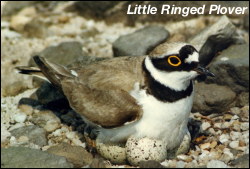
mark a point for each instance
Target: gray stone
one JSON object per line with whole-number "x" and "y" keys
{"x": 98, "y": 162}
{"x": 22, "y": 157}
{"x": 75, "y": 154}
{"x": 211, "y": 98}
{"x": 231, "y": 68}
{"x": 14, "y": 7}
{"x": 246, "y": 22}
{"x": 241, "y": 162}
{"x": 150, "y": 164}
{"x": 242, "y": 99}
{"x": 64, "y": 54}
{"x": 35, "y": 29}
{"x": 216, "y": 164}
{"x": 140, "y": 42}
{"x": 35, "y": 134}
{"x": 215, "y": 38}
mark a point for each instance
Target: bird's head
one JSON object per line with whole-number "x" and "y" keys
{"x": 175, "y": 64}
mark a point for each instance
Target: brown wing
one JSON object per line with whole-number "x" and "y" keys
{"x": 108, "y": 108}
{"x": 101, "y": 91}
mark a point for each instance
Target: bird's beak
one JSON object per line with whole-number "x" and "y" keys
{"x": 203, "y": 71}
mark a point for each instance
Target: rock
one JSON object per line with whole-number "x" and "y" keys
{"x": 185, "y": 158}
{"x": 224, "y": 138}
{"x": 4, "y": 133}
{"x": 145, "y": 149}
{"x": 116, "y": 153}
{"x": 246, "y": 22}
{"x": 244, "y": 126}
{"x": 216, "y": 164}
{"x": 22, "y": 157}
{"x": 20, "y": 117}
{"x": 241, "y": 162}
{"x": 47, "y": 120}
{"x": 234, "y": 144}
{"x": 76, "y": 155}
{"x": 242, "y": 99}
{"x": 209, "y": 98}
{"x": 205, "y": 146}
{"x": 95, "y": 9}
{"x": 215, "y": 38}
{"x": 35, "y": 134}
{"x": 180, "y": 164}
{"x": 35, "y": 28}
{"x": 140, "y": 42}
{"x": 205, "y": 126}
{"x": 98, "y": 163}
{"x": 231, "y": 68}
{"x": 15, "y": 88}
{"x": 150, "y": 164}
{"x": 14, "y": 7}
{"x": 213, "y": 144}
{"x": 64, "y": 54}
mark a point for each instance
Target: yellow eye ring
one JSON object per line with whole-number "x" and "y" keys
{"x": 174, "y": 64}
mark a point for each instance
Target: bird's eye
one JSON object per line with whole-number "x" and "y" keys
{"x": 174, "y": 60}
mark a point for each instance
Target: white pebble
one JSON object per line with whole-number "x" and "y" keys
{"x": 244, "y": 126}
{"x": 217, "y": 125}
{"x": 234, "y": 144}
{"x": 225, "y": 125}
{"x": 205, "y": 126}
{"x": 235, "y": 135}
{"x": 20, "y": 117}
{"x": 180, "y": 164}
{"x": 224, "y": 138}
{"x": 216, "y": 164}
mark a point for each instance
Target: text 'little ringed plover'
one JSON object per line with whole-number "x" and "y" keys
{"x": 145, "y": 96}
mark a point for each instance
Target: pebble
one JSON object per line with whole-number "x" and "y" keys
{"x": 217, "y": 125}
{"x": 213, "y": 144}
{"x": 180, "y": 164}
{"x": 205, "y": 146}
{"x": 20, "y": 117}
{"x": 205, "y": 126}
{"x": 234, "y": 144}
{"x": 235, "y": 135}
{"x": 225, "y": 125}
{"x": 216, "y": 164}
{"x": 184, "y": 158}
{"x": 244, "y": 126}
{"x": 224, "y": 138}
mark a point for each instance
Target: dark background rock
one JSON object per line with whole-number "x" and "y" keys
{"x": 231, "y": 68}
{"x": 215, "y": 38}
{"x": 140, "y": 42}
{"x": 150, "y": 164}
{"x": 212, "y": 98}
{"x": 22, "y": 157}
{"x": 35, "y": 134}
{"x": 65, "y": 53}
{"x": 75, "y": 154}
{"x": 241, "y": 162}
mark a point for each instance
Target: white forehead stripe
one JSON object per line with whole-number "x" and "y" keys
{"x": 192, "y": 58}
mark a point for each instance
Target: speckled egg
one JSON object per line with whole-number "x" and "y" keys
{"x": 115, "y": 153}
{"x": 145, "y": 149}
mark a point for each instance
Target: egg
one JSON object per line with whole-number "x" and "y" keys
{"x": 144, "y": 149}
{"x": 115, "y": 153}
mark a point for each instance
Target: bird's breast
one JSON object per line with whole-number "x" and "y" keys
{"x": 161, "y": 120}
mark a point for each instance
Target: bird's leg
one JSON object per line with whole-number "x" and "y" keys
{"x": 90, "y": 134}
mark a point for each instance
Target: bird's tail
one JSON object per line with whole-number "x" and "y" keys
{"x": 46, "y": 70}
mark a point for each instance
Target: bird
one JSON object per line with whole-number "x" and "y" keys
{"x": 143, "y": 96}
